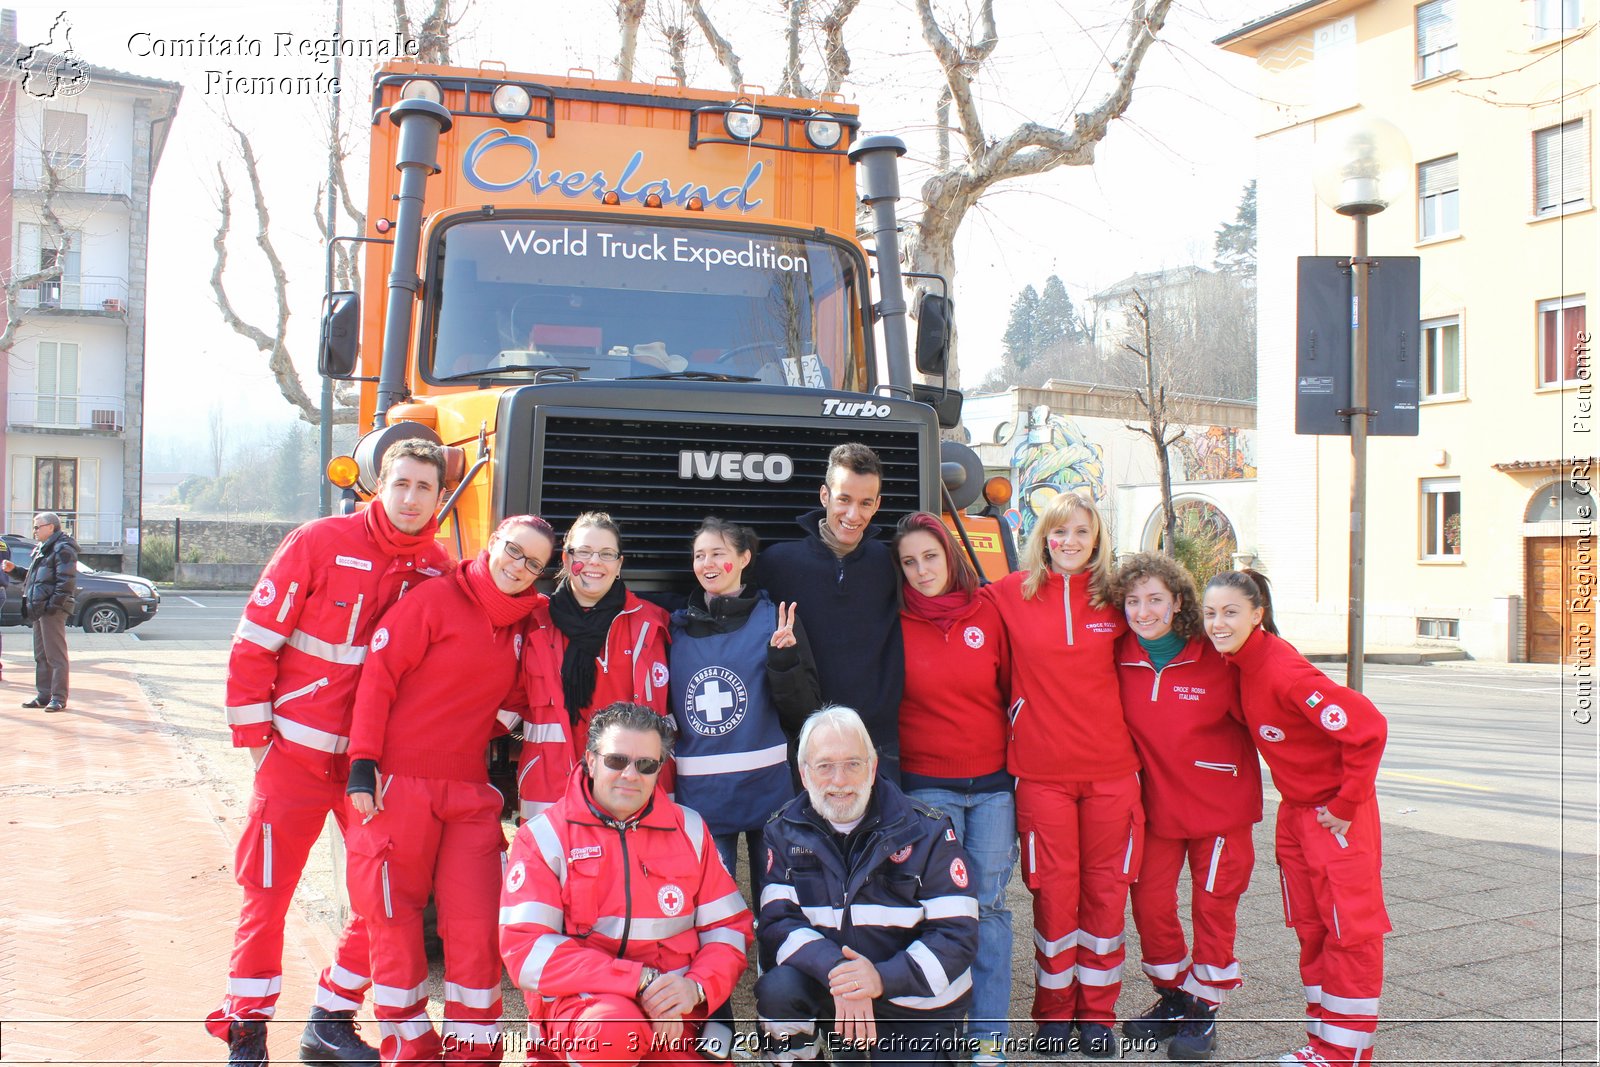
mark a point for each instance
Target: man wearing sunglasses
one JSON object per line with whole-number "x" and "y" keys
{"x": 869, "y": 922}
{"x": 617, "y": 919}
{"x": 49, "y": 594}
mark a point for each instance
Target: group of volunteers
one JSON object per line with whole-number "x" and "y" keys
{"x": 876, "y": 730}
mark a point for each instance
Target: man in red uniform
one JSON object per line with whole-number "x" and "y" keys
{"x": 291, "y": 683}
{"x": 618, "y": 920}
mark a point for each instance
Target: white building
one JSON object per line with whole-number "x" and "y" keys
{"x": 80, "y": 143}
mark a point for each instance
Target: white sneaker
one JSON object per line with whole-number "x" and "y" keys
{"x": 1302, "y": 1055}
{"x": 989, "y": 1053}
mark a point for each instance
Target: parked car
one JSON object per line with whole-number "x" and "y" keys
{"x": 108, "y": 603}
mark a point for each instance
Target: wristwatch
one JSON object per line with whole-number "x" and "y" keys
{"x": 647, "y": 977}
{"x": 700, "y": 993}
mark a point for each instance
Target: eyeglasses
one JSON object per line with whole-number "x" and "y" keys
{"x": 616, "y": 761}
{"x": 848, "y": 768}
{"x": 588, "y": 555}
{"x": 533, "y": 563}
{"x": 40, "y": 525}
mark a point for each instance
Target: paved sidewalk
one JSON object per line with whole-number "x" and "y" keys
{"x": 117, "y": 893}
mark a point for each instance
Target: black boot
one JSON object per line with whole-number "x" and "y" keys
{"x": 1161, "y": 1021}
{"x": 1099, "y": 1041}
{"x": 247, "y": 1043}
{"x": 330, "y": 1039}
{"x": 1197, "y": 1035}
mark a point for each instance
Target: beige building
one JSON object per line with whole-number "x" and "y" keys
{"x": 1480, "y": 529}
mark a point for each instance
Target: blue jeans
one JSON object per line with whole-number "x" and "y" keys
{"x": 987, "y": 826}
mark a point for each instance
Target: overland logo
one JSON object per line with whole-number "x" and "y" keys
{"x": 51, "y": 70}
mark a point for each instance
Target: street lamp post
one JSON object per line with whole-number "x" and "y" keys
{"x": 1360, "y": 169}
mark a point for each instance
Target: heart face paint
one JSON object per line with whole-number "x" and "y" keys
{"x": 727, "y": 568}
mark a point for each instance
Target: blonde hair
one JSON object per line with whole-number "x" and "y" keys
{"x": 1036, "y": 551}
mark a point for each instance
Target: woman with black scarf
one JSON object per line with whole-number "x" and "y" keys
{"x": 600, "y": 644}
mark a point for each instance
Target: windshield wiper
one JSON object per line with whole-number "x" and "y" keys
{"x": 560, "y": 373}
{"x": 688, "y": 376}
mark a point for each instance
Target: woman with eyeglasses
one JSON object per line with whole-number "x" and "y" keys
{"x": 429, "y": 821}
{"x": 601, "y": 645}
{"x": 953, "y": 744}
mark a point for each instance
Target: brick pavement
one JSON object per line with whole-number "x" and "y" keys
{"x": 119, "y": 901}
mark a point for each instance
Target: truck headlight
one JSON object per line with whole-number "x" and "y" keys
{"x": 741, "y": 121}
{"x": 512, "y": 101}
{"x": 422, "y": 89}
{"x": 823, "y": 130}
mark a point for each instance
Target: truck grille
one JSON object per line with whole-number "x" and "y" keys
{"x": 629, "y": 467}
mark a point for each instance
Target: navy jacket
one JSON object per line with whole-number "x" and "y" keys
{"x": 52, "y": 578}
{"x": 850, "y": 608}
{"x": 903, "y": 898}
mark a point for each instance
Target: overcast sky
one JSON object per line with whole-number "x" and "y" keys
{"x": 1165, "y": 177}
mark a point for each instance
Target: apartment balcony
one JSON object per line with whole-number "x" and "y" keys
{"x": 57, "y": 413}
{"x": 81, "y": 295}
{"x": 95, "y": 531}
{"x": 77, "y": 176}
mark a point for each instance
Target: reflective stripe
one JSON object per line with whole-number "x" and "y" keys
{"x": 530, "y": 808}
{"x": 832, "y": 918}
{"x": 691, "y": 766}
{"x": 1313, "y": 994}
{"x": 1216, "y": 854}
{"x": 1100, "y": 945}
{"x": 347, "y": 979}
{"x": 309, "y": 736}
{"x": 794, "y": 942}
{"x": 544, "y": 835}
{"x": 508, "y": 719}
{"x": 255, "y": 987}
{"x": 471, "y": 1034}
{"x": 533, "y": 966}
{"x": 395, "y": 997}
{"x": 406, "y": 1029}
{"x": 644, "y": 634}
{"x": 723, "y": 936}
{"x": 950, "y": 907}
{"x": 1057, "y": 946}
{"x": 1127, "y": 857}
{"x": 1212, "y": 975}
{"x": 1346, "y": 1005}
{"x": 468, "y": 997}
{"x": 1097, "y": 976}
{"x": 1345, "y": 1037}
{"x": 789, "y": 1027}
{"x": 256, "y": 634}
{"x": 334, "y": 1002}
{"x": 249, "y": 714}
{"x": 695, "y": 827}
{"x": 1047, "y": 980}
{"x": 1167, "y": 972}
{"x": 778, "y": 891}
{"x": 930, "y": 967}
{"x": 543, "y": 732}
{"x": 1210, "y": 994}
{"x": 717, "y": 910}
{"x": 347, "y": 655}
{"x": 532, "y": 911}
{"x": 884, "y": 915}
{"x": 612, "y": 926}
{"x": 954, "y": 992}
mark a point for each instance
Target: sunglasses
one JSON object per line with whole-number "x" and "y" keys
{"x": 616, "y": 761}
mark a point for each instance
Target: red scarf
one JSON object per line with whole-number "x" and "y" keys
{"x": 944, "y": 610}
{"x": 390, "y": 538}
{"x": 501, "y": 608}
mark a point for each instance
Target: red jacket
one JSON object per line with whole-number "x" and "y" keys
{"x": 1201, "y": 776}
{"x": 1066, "y": 711}
{"x": 417, "y": 712}
{"x": 299, "y": 647}
{"x": 587, "y": 906}
{"x": 953, "y": 711}
{"x": 548, "y": 749}
{"x": 1322, "y": 740}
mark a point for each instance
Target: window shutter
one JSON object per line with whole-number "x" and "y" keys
{"x": 21, "y": 495}
{"x": 1560, "y": 166}
{"x": 1439, "y": 176}
{"x": 1436, "y": 26}
{"x": 88, "y": 502}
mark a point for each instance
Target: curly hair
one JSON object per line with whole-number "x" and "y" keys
{"x": 1170, "y": 573}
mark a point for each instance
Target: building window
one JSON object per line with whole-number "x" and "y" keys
{"x": 1560, "y": 323}
{"x": 65, "y": 148}
{"x": 1439, "y": 198}
{"x": 1441, "y": 518}
{"x": 57, "y": 381}
{"x": 1555, "y": 18}
{"x": 1560, "y": 168}
{"x": 1436, "y": 39}
{"x": 1447, "y": 629}
{"x": 1441, "y": 359}
{"x": 55, "y": 486}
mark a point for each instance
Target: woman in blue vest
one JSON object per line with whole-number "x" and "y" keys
{"x": 743, "y": 681}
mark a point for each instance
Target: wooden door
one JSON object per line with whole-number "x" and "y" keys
{"x": 1560, "y": 601}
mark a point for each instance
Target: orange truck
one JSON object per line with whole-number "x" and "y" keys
{"x": 643, "y": 299}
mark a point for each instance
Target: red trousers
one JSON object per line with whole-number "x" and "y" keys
{"x": 607, "y": 1030}
{"x": 1333, "y": 898}
{"x": 440, "y": 837}
{"x": 1219, "y": 868}
{"x": 289, "y": 806}
{"x": 1080, "y": 849}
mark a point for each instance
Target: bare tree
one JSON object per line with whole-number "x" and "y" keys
{"x": 803, "y": 21}
{"x": 630, "y": 13}
{"x": 1161, "y": 427}
{"x": 52, "y": 236}
{"x": 432, "y": 31}
{"x": 217, "y": 438}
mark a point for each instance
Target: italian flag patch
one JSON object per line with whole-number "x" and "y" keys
{"x": 1314, "y": 699}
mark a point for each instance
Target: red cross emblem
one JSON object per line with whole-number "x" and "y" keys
{"x": 670, "y": 897}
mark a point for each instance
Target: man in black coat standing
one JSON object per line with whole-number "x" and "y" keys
{"x": 48, "y": 597}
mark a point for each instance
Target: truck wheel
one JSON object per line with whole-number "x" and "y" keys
{"x": 103, "y": 617}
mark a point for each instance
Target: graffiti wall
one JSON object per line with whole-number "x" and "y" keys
{"x": 1055, "y": 456}
{"x": 1217, "y": 454}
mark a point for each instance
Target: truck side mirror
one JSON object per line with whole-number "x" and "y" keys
{"x": 933, "y": 333}
{"x": 341, "y": 329}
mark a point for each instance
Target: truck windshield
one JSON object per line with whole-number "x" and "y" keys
{"x": 623, "y": 300}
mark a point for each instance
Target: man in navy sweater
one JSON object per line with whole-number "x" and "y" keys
{"x": 846, "y": 584}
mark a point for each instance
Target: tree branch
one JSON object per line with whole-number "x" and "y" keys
{"x": 629, "y": 14}
{"x": 835, "y": 58}
{"x": 719, "y": 44}
{"x": 54, "y": 231}
{"x": 961, "y": 64}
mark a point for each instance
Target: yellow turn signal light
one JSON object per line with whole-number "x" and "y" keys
{"x": 343, "y": 471}
{"x": 997, "y": 491}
